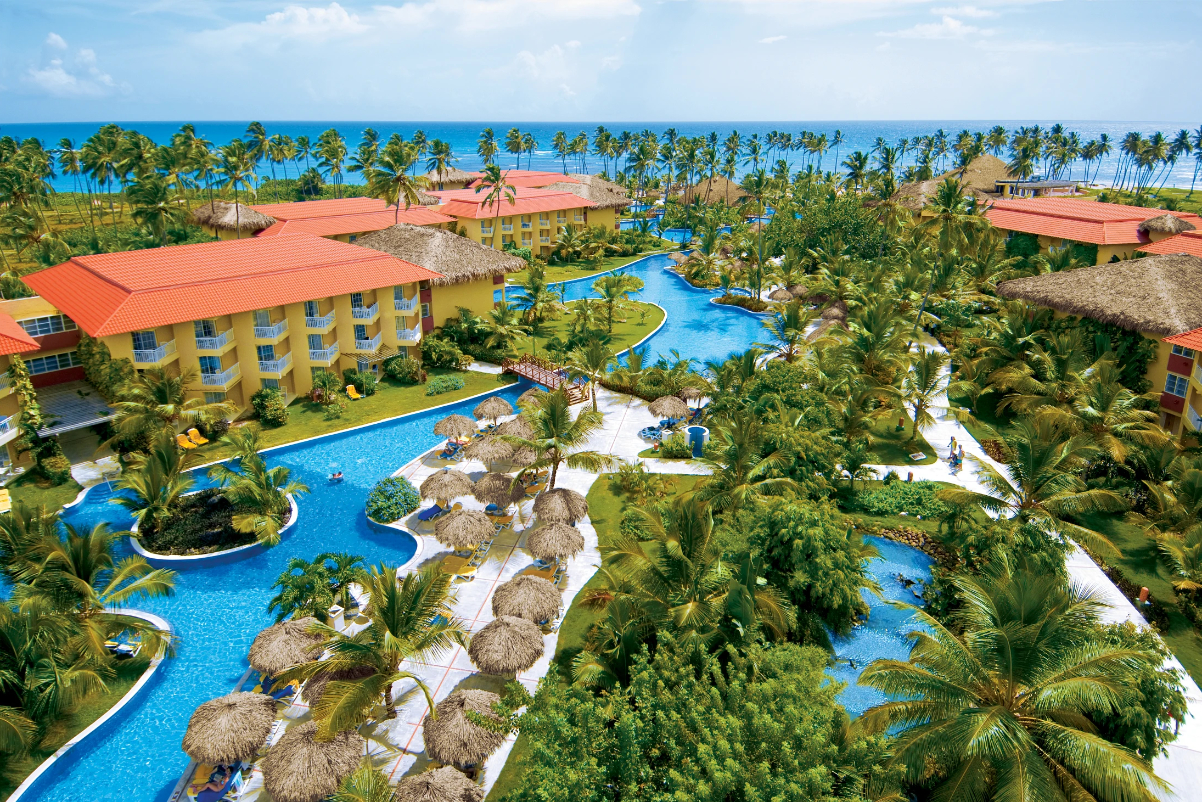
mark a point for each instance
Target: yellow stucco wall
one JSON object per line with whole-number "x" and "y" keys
{"x": 545, "y": 224}
{"x": 474, "y": 295}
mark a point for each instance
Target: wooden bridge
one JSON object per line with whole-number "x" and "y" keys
{"x": 548, "y": 374}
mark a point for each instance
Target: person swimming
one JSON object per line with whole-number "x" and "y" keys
{"x": 336, "y": 476}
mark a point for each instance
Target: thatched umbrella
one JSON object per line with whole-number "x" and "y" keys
{"x": 492, "y": 408}
{"x": 451, "y": 737}
{"x": 555, "y": 541}
{"x": 834, "y": 313}
{"x": 463, "y": 529}
{"x": 280, "y": 647}
{"x": 488, "y": 450}
{"x": 315, "y": 687}
{"x": 225, "y": 216}
{"x": 302, "y": 769}
{"x": 669, "y": 406}
{"x": 447, "y": 484}
{"x": 798, "y": 290}
{"x": 529, "y": 597}
{"x": 1165, "y": 224}
{"x": 447, "y": 784}
{"x": 506, "y": 645}
{"x": 781, "y": 294}
{"x": 690, "y": 393}
{"x": 560, "y": 505}
{"x": 516, "y": 427}
{"x": 531, "y": 396}
{"x": 229, "y": 728}
{"x": 456, "y": 427}
{"x": 523, "y": 456}
{"x": 498, "y": 488}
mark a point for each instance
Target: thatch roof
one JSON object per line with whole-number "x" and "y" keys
{"x": 301, "y": 769}
{"x": 424, "y": 199}
{"x": 316, "y": 687}
{"x": 451, "y": 737}
{"x": 222, "y": 216}
{"x": 560, "y": 505}
{"x": 602, "y": 197}
{"x": 288, "y": 644}
{"x": 555, "y": 541}
{"x": 599, "y": 182}
{"x": 529, "y": 597}
{"x": 497, "y": 488}
{"x": 523, "y": 456}
{"x": 452, "y": 175}
{"x": 1165, "y": 224}
{"x": 531, "y": 396}
{"x": 712, "y": 190}
{"x": 834, "y": 313}
{"x": 229, "y": 728}
{"x": 447, "y": 784}
{"x": 463, "y": 528}
{"x": 456, "y": 426}
{"x": 690, "y": 393}
{"x": 678, "y": 257}
{"x": 1155, "y": 294}
{"x": 669, "y": 406}
{"x": 492, "y": 408}
{"x": 780, "y": 294}
{"x": 979, "y": 179}
{"x": 799, "y": 290}
{"x": 516, "y": 427}
{"x": 457, "y": 258}
{"x": 447, "y": 484}
{"x": 488, "y": 449}
{"x": 824, "y": 328}
{"x": 506, "y": 645}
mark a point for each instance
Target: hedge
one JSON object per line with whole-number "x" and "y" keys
{"x": 392, "y": 499}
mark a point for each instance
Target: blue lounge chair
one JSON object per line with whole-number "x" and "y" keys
{"x": 430, "y": 513}
{"x": 650, "y": 433}
{"x": 282, "y": 691}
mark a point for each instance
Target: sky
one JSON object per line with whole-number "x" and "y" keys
{"x": 566, "y": 60}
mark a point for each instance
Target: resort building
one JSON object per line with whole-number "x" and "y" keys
{"x": 344, "y": 219}
{"x": 244, "y": 314}
{"x": 15, "y": 339}
{"x": 1156, "y": 296}
{"x": 1185, "y": 378}
{"x": 1034, "y": 187}
{"x": 453, "y": 178}
{"x": 532, "y": 220}
{"x": 1188, "y": 241}
{"x": 1118, "y": 231}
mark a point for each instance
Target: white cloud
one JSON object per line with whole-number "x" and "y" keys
{"x": 964, "y": 11}
{"x": 494, "y": 14}
{"x": 313, "y": 22}
{"x": 947, "y": 28}
{"x": 80, "y": 76}
{"x": 56, "y": 41}
{"x": 767, "y": 40}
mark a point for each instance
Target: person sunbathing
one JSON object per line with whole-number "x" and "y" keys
{"x": 217, "y": 779}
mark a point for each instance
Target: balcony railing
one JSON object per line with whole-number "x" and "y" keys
{"x": 221, "y": 379}
{"x": 8, "y": 424}
{"x": 544, "y": 240}
{"x": 1195, "y": 420}
{"x": 486, "y": 232}
{"x": 561, "y": 219}
{"x": 368, "y": 345}
{"x": 544, "y": 222}
{"x": 326, "y": 355}
{"x": 153, "y": 356}
{"x": 365, "y": 312}
{"x": 579, "y": 218}
{"x": 1198, "y": 372}
{"x": 275, "y": 365}
{"x": 527, "y": 225}
{"x": 405, "y": 304}
{"x": 215, "y": 343}
{"x": 271, "y": 332}
{"x": 409, "y": 335}
{"x": 5, "y": 381}
{"x": 507, "y": 227}
{"x": 320, "y": 322}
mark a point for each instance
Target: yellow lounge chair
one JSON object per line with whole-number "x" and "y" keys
{"x": 352, "y": 393}
{"x": 196, "y": 437}
{"x": 182, "y": 441}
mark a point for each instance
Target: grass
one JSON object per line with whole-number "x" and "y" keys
{"x": 1185, "y": 202}
{"x": 584, "y": 269}
{"x": 28, "y": 489}
{"x": 639, "y": 320}
{"x": 891, "y": 447}
{"x": 864, "y": 520}
{"x": 651, "y": 453}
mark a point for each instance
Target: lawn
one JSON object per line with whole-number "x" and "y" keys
{"x": 583, "y": 269}
{"x": 891, "y": 447}
{"x": 26, "y": 489}
{"x": 865, "y": 520}
{"x": 1185, "y": 201}
{"x": 630, "y": 326}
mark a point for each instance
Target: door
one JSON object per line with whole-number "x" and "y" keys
{"x": 210, "y": 364}
{"x": 262, "y": 319}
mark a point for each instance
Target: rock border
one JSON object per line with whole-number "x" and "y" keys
{"x": 212, "y": 558}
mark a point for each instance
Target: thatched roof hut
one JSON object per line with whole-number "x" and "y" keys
{"x": 678, "y": 257}
{"x": 780, "y": 294}
{"x": 599, "y": 182}
{"x": 602, "y": 197}
{"x": 492, "y": 408}
{"x": 979, "y": 180}
{"x": 516, "y": 427}
{"x": 506, "y": 645}
{"x": 1155, "y": 294}
{"x": 529, "y": 597}
{"x": 669, "y": 406}
{"x": 447, "y": 484}
{"x": 223, "y": 216}
{"x": 824, "y": 328}
{"x": 833, "y": 313}
{"x": 447, "y": 784}
{"x": 229, "y": 728}
{"x": 499, "y": 489}
{"x": 457, "y": 258}
{"x": 488, "y": 450}
{"x": 452, "y": 175}
{"x": 456, "y": 426}
{"x": 463, "y": 529}
{"x": 799, "y": 290}
{"x": 712, "y": 190}
{"x": 1165, "y": 224}
{"x": 523, "y": 456}
{"x": 284, "y": 645}
{"x": 301, "y": 769}
{"x": 451, "y": 737}
{"x": 560, "y": 505}
{"x": 425, "y": 199}
{"x": 531, "y": 396}
{"x": 690, "y": 393}
{"x": 555, "y": 541}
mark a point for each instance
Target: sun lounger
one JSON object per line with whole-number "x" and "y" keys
{"x": 459, "y": 567}
{"x": 282, "y": 692}
{"x": 233, "y": 783}
{"x": 430, "y": 513}
{"x": 182, "y": 441}
{"x": 352, "y": 393}
{"x": 196, "y": 437}
{"x": 650, "y": 433}
{"x": 503, "y": 521}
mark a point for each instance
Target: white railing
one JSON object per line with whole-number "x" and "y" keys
{"x": 1198, "y": 371}
{"x": 365, "y": 312}
{"x": 486, "y": 232}
{"x": 409, "y": 335}
{"x": 320, "y": 322}
{"x": 545, "y": 240}
{"x": 152, "y": 356}
{"x": 544, "y": 222}
{"x": 405, "y": 304}
{"x": 275, "y": 365}
{"x": 271, "y": 332}
{"x": 1195, "y": 420}
{"x": 327, "y": 355}
{"x": 561, "y": 219}
{"x": 5, "y": 381}
{"x": 579, "y": 218}
{"x": 8, "y": 424}
{"x": 527, "y": 225}
{"x": 526, "y": 242}
{"x": 215, "y": 343}
{"x": 368, "y": 345}
{"x": 221, "y": 379}
{"x": 507, "y": 227}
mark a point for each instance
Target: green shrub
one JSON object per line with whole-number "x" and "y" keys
{"x": 404, "y": 369}
{"x": 444, "y": 384}
{"x": 676, "y": 447}
{"x": 633, "y": 526}
{"x": 483, "y": 353}
{"x": 213, "y": 427}
{"x": 56, "y": 469}
{"x": 440, "y": 353}
{"x": 1022, "y": 245}
{"x": 912, "y": 498}
{"x": 268, "y": 404}
{"x": 523, "y": 253}
{"x": 393, "y": 498}
{"x": 334, "y": 410}
{"x": 365, "y": 382}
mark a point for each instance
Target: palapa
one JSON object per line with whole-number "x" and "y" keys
{"x": 447, "y": 484}
{"x": 488, "y": 450}
{"x": 456, "y": 427}
{"x": 690, "y": 393}
{"x": 463, "y": 529}
{"x": 555, "y": 541}
{"x": 780, "y": 294}
{"x": 529, "y": 597}
{"x": 1165, "y": 224}
{"x": 678, "y": 257}
{"x": 457, "y": 259}
{"x": 492, "y": 408}
{"x": 799, "y": 290}
{"x": 229, "y": 728}
{"x": 498, "y": 489}
{"x": 669, "y": 406}
{"x": 516, "y": 427}
{"x": 833, "y": 313}
{"x": 560, "y": 505}
{"x": 223, "y": 216}
{"x": 506, "y": 645}
{"x": 523, "y": 457}
{"x": 531, "y": 396}
{"x": 302, "y": 769}
{"x": 316, "y": 687}
{"x": 282, "y": 646}
{"x": 447, "y": 784}
{"x": 451, "y": 737}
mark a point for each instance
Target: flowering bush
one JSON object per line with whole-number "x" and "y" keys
{"x": 391, "y": 499}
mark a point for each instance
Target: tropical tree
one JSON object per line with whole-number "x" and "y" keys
{"x": 155, "y": 483}
{"x": 924, "y": 385}
{"x": 390, "y": 181}
{"x": 740, "y": 470}
{"x": 312, "y": 588}
{"x": 503, "y": 326}
{"x": 498, "y": 190}
{"x": 592, "y": 362}
{"x": 559, "y": 439}
{"x": 788, "y": 326}
{"x": 615, "y": 289}
{"x": 258, "y": 494}
{"x": 154, "y": 401}
{"x": 154, "y": 207}
{"x": 238, "y": 169}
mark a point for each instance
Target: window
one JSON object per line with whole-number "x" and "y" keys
{"x": 404, "y": 351}
{"x": 361, "y": 332}
{"x": 210, "y": 364}
{"x": 315, "y": 343}
{"x": 354, "y": 237}
{"x": 356, "y": 300}
{"x": 51, "y": 324}
{"x": 362, "y": 365}
{"x": 204, "y": 328}
{"x": 425, "y": 310}
{"x": 269, "y": 384}
{"x": 46, "y": 364}
{"x": 1181, "y": 350}
{"x": 144, "y": 340}
{"x": 1176, "y": 385}
{"x": 266, "y": 353}
{"x": 425, "y": 285}
{"x": 312, "y": 309}
{"x": 262, "y": 318}
{"x": 214, "y": 398}
{"x": 398, "y": 293}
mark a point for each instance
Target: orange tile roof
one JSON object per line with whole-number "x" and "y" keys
{"x": 533, "y": 178}
{"x": 1188, "y": 242}
{"x": 127, "y": 291}
{"x": 1190, "y": 339}
{"x": 303, "y": 210}
{"x": 338, "y": 225}
{"x": 13, "y": 338}
{"x": 1076, "y": 219}
{"x": 469, "y": 203}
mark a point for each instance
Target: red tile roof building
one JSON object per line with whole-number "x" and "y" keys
{"x": 472, "y": 204}
{"x": 1188, "y": 242}
{"x": 344, "y": 225}
{"x": 531, "y": 178}
{"x": 1077, "y": 220}
{"x": 14, "y": 339}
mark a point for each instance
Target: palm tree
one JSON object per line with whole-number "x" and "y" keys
{"x": 788, "y": 326}
{"x": 503, "y": 325}
{"x": 923, "y": 385}
{"x": 1112, "y": 416}
{"x": 365, "y": 784}
{"x": 156, "y": 483}
{"x": 258, "y": 494}
{"x": 154, "y": 400}
{"x": 757, "y": 184}
{"x": 560, "y": 440}
{"x": 614, "y": 290}
{"x": 486, "y": 146}
{"x": 499, "y": 190}
{"x": 312, "y": 588}
{"x": 154, "y": 207}
{"x": 440, "y": 159}
{"x": 592, "y": 362}
{"x": 739, "y": 472}
{"x": 998, "y": 704}
{"x": 237, "y": 168}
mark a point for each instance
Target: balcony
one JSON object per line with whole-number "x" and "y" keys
{"x": 405, "y": 304}
{"x": 1197, "y": 375}
{"x": 486, "y": 232}
{"x": 223, "y": 380}
{"x": 6, "y": 384}
{"x": 561, "y": 219}
{"x": 507, "y": 227}
{"x": 526, "y": 242}
{"x": 366, "y": 312}
{"x": 9, "y": 429}
{"x": 320, "y": 323}
{"x": 155, "y": 356}
{"x": 276, "y": 367}
{"x": 544, "y": 222}
{"x": 527, "y": 226}
{"x": 409, "y": 336}
{"x": 579, "y": 218}
{"x": 272, "y": 333}
{"x": 1194, "y": 419}
{"x": 368, "y": 346}
{"x": 544, "y": 240}
{"x": 221, "y": 342}
{"x": 324, "y": 357}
